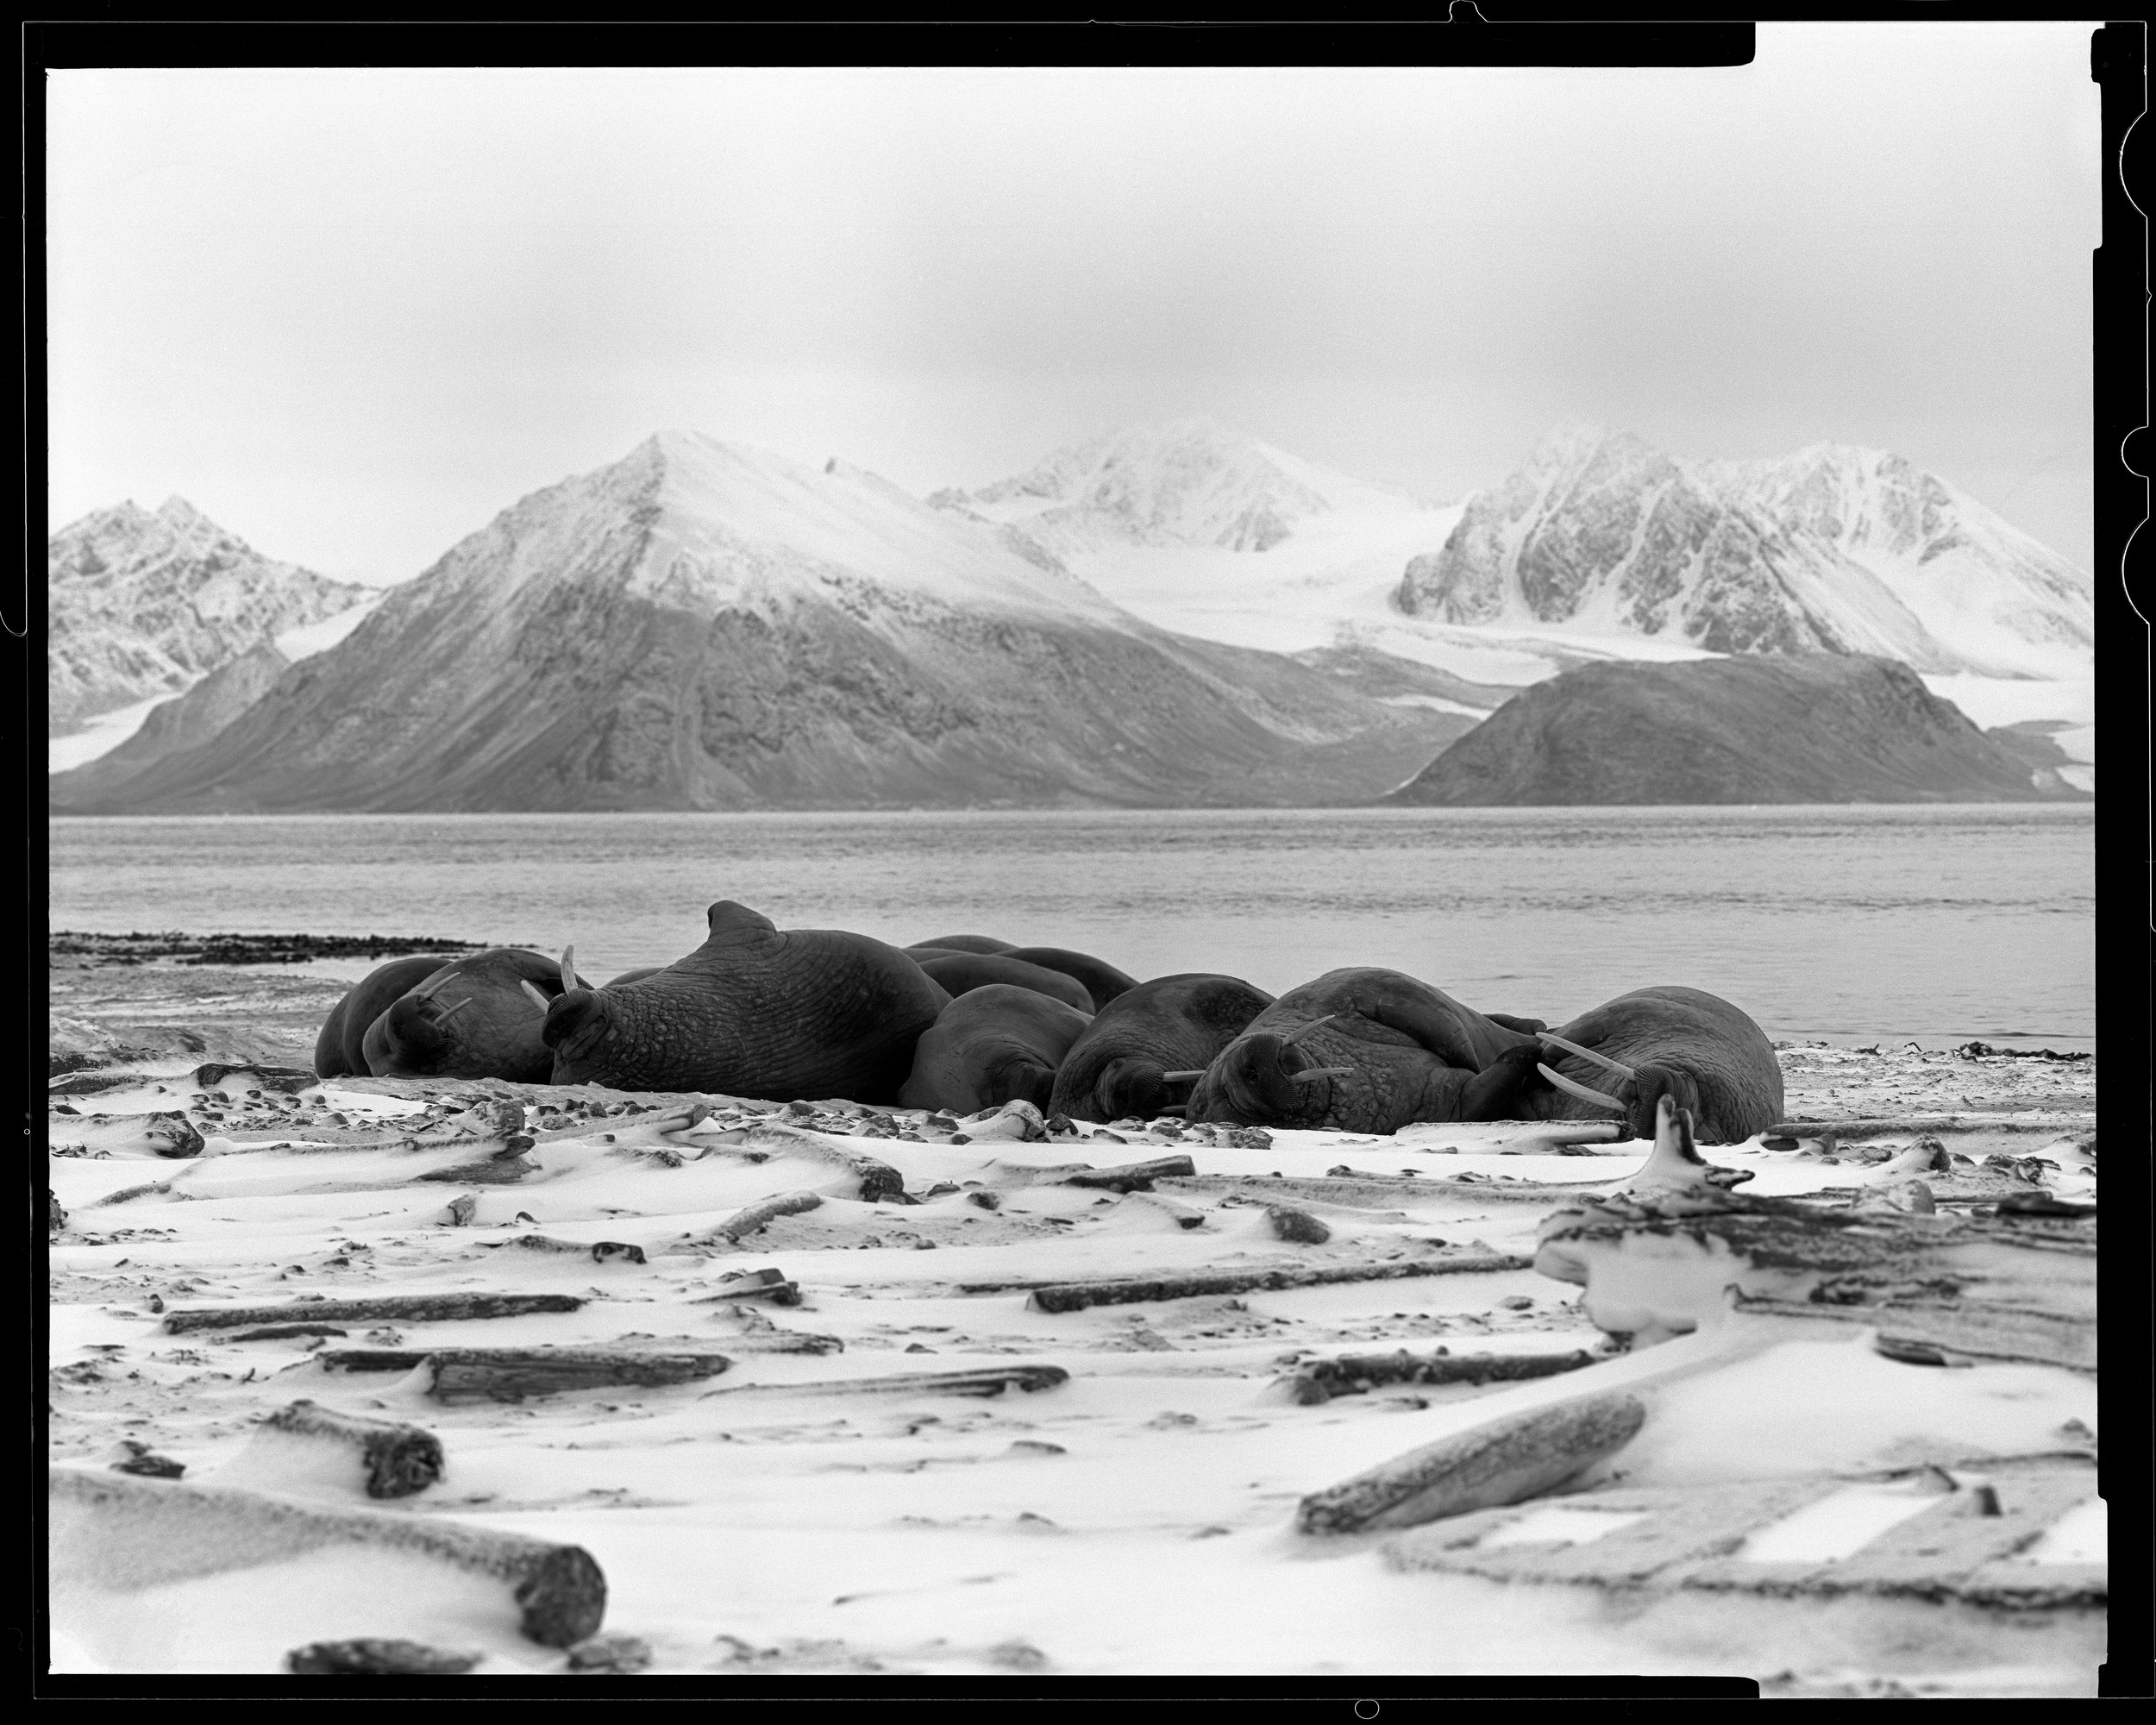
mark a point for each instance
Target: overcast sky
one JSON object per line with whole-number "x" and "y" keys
{"x": 353, "y": 314}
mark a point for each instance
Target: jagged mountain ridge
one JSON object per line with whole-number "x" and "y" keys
{"x": 1187, "y": 482}
{"x": 1798, "y": 728}
{"x": 143, "y": 603}
{"x": 705, "y": 626}
{"x": 1833, "y": 548}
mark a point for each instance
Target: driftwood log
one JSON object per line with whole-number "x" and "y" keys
{"x": 1658, "y": 1264}
{"x": 1319, "y": 1380}
{"x": 1076, "y": 1296}
{"x": 749, "y": 1220}
{"x": 511, "y": 1374}
{"x": 408, "y": 1307}
{"x": 1132, "y": 1176}
{"x": 397, "y": 1459}
{"x": 991, "y": 1380}
{"x": 373, "y": 1657}
{"x": 756, "y": 1285}
{"x": 873, "y": 1181}
{"x": 110, "y": 1531}
{"x": 1501, "y": 1461}
{"x": 600, "y": 1251}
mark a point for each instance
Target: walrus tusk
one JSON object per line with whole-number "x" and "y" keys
{"x": 1296, "y": 1036}
{"x": 434, "y": 985}
{"x": 1616, "y": 1066}
{"x": 532, "y": 989}
{"x": 451, "y": 1011}
{"x": 1580, "y": 1090}
{"x": 1177, "y": 1077}
{"x": 568, "y": 970}
{"x": 1310, "y": 1074}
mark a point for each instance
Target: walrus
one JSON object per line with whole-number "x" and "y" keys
{"x": 1366, "y": 1050}
{"x": 1101, "y": 981}
{"x": 473, "y": 1018}
{"x": 752, "y": 1012}
{"x": 637, "y": 974}
{"x": 1705, "y": 1054}
{"x": 958, "y": 972}
{"x": 1119, "y": 1067}
{"x": 992, "y": 1045}
{"x": 962, "y": 942}
{"x": 339, "y": 1048}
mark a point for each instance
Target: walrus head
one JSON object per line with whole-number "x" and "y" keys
{"x": 577, "y": 1017}
{"x": 1134, "y": 1087}
{"x": 418, "y": 1033}
{"x": 1261, "y": 1078}
{"x": 1639, "y": 1090}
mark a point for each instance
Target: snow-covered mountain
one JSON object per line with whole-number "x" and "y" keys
{"x": 1191, "y": 482}
{"x": 706, "y": 625}
{"x": 1833, "y": 548}
{"x": 146, "y": 603}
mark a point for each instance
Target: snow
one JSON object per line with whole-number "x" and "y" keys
{"x": 767, "y": 1522}
{"x": 310, "y": 638}
{"x": 103, "y": 733}
{"x": 738, "y": 525}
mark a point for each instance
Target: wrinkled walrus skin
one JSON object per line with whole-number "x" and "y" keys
{"x": 754, "y": 1012}
{"x": 991, "y": 1047}
{"x": 1706, "y": 1054}
{"x": 1172, "y": 1023}
{"x": 470, "y": 1019}
{"x": 340, "y": 1050}
{"x": 958, "y": 972}
{"x": 1096, "y": 976}
{"x": 1411, "y": 1052}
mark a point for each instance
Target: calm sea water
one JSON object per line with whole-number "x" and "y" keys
{"x": 1937, "y": 923}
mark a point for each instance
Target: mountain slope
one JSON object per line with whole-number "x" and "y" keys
{"x": 1804, "y": 728}
{"x": 145, "y": 602}
{"x": 1831, "y": 549}
{"x": 706, "y": 626}
{"x": 1191, "y": 482}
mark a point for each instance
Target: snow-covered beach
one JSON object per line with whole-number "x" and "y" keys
{"x": 919, "y": 1469}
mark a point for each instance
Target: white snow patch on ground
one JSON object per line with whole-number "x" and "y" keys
{"x": 102, "y": 734}
{"x": 310, "y": 638}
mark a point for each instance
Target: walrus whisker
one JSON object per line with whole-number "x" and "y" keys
{"x": 1178, "y": 1077}
{"x": 1310, "y": 1074}
{"x": 1296, "y": 1036}
{"x": 568, "y": 970}
{"x": 1580, "y": 1090}
{"x": 1602, "y": 1060}
{"x": 532, "y": 989}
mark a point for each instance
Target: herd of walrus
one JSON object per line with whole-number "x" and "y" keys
{"x": 966, "y": 1022}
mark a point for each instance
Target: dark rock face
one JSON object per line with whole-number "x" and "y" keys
{"x": 1815, "y": 728}
{"x": 144, "y": 601}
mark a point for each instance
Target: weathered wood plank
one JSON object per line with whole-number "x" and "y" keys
{"x": 991, "y": 1380}
{"x": 1074, "y": 1297}
{"x": 1501, "y": 1461}
{"x": 512, "y": 1374}
{"x": 409, "y": 1307}
{"x": 1319, "y": 1380}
